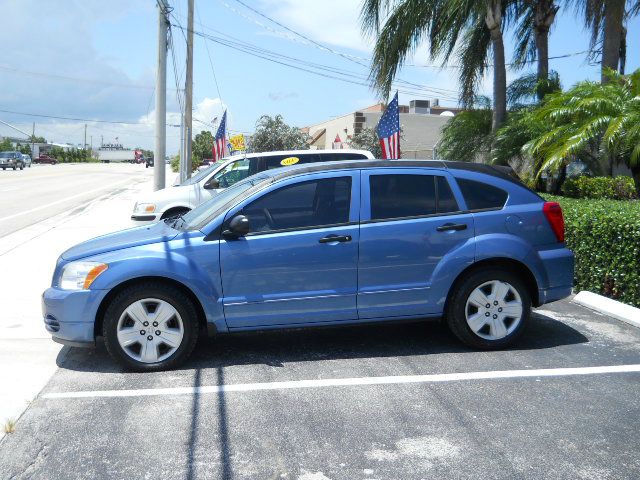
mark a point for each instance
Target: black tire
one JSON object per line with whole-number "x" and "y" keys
{"x": 455, "y": 314}
{"x": 169, "y": 294}
{"x": 22, "y": 166}
{"x": 14, "y": 168}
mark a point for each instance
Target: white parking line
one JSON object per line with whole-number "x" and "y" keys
{"x": 350, "y": 382}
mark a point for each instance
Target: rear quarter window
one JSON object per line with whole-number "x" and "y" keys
{"x": 482, "y": 196}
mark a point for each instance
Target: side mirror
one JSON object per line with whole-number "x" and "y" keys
{"x": 239, "y": 226}
{"x": 212, "y": 184}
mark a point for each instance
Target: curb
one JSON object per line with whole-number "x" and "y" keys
{"x": 610, "y": 307}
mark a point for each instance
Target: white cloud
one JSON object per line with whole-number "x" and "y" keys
{"x": 335, "y": 22}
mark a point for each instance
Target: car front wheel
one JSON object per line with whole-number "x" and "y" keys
{"x": 150, "y": 327}
{"x": 489, "y": 309}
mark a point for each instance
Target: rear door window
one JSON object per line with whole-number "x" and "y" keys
{"x": 398, "y": 196}
{"x": 482, "y": 196}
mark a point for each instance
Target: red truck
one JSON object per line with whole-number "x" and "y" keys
{"x": 45, "y": 159}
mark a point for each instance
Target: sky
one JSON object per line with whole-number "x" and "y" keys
{"x": 95, "y": 62}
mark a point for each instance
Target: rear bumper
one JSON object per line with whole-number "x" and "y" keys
{"x": 69, "y": 315}
{"x": 558, "y": 265}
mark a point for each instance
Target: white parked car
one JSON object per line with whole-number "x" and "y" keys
{"x": 179, "y": 199}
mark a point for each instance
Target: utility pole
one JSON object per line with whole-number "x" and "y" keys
{"x": 33, "y": 138}
{"x": 183, "y": 164}
{"x": 84, "y": 145}
{"x": 161, "y": 99}
{"x": 188, "y": 95}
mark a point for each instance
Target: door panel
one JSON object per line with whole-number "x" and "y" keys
{"x": 289, "y": 278}
{"x": 283, "y": 275}
{"x": 398, "y": 257}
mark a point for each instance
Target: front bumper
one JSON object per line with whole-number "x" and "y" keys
{"x": 11, "y": 163}
{"x": 145, "y": 217}
{"x": 69, "y": 315}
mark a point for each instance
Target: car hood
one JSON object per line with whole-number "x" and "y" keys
{"x": 166, "y": 194}
{"x": 133, "y": 237}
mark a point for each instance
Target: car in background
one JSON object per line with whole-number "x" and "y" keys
{"x": 148, "y": 162}
{"x": 336, "y": 243}
{"x": 179, "y": 199}
{"x": 27, "y": 160}
{"x": 45, "y": 159}
{"x": 12, "y": 160}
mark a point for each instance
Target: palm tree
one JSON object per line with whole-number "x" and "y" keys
{"x": 606, "y": 20}
{"x": 536, "y": 18}
{"x": 594, "y": 122}
{"x": 470, "y": 28}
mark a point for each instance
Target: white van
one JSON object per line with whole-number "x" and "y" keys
{"x": 177, "y": 200}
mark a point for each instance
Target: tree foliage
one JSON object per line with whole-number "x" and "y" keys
{"x": 6, "y": 145}
{"x": 272, "y": 133}
{"x": 593, "y": 122}
{"x": 202, "y": 146}
{"x": 367, "y": 139}
{"x": 467, "y": 137}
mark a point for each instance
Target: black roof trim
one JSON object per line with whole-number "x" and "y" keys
{"x": 505, "y": 173}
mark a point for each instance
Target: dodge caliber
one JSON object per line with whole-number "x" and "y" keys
{"x": 333, "y": 243}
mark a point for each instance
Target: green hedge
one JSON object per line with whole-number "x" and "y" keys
{"x": 605, "y": 238}
{"x": 616, "y": 188}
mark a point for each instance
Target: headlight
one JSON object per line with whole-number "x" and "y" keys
{"x": 80, "y": 275}
{"x": 144, "y": 208}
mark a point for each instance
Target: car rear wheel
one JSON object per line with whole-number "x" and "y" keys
{"x": 489, "y": 309}
{"x": 150, "y": 327}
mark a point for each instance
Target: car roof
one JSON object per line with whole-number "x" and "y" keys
{"x": 299, "y": 152}
{"x": 505, "y": 173}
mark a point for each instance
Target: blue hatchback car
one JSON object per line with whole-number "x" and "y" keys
{"x": 321, "y": 244}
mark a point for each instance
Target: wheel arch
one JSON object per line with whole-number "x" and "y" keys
{"x": 202, "y": 319}
{"x": 508, "y": 264}
{"x": 174, "y": 210}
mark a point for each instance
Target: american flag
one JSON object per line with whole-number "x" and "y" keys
{"x": 389, "y": 130}
{"x": 220, "y": 140}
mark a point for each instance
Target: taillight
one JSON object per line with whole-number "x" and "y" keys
{"x": 553, "y": 212}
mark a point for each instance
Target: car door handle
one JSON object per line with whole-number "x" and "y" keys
{"x": 452, "y": 226}
{"x": 335, "y": 238}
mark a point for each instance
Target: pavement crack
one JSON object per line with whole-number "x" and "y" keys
{"x": 38, "y": 457}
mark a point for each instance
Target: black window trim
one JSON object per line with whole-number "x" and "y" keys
{"x": 413, "y": 217}
{"x": 300, "y": 229}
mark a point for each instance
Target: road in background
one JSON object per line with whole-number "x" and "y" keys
{"x": 42, "y": 191}
{"x": 43, "y": 212}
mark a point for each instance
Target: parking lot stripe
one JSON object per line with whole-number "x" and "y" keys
{"x": 350, "y": 382}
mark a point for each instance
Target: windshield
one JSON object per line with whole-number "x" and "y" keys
{"x": 217, "y": 204}
{"x": 200, "y": 175}
{"x": 5, "y": 154}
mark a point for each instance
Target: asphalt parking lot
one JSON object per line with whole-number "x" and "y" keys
{"x": 416, "y": 422}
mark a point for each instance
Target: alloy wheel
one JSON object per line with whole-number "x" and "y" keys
{"x": 493, "y": 310}
{"x": 150, "y": 330}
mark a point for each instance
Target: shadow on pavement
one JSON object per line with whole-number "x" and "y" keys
{"x": 275, "y": 348}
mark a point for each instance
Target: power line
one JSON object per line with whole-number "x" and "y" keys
{"x": 213, "y": 71}
{"x": 75, "y": 79}
{"x": 73, "y": 119}
{"x": 314, "y": 68}
{"x": 328, "y": 49}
